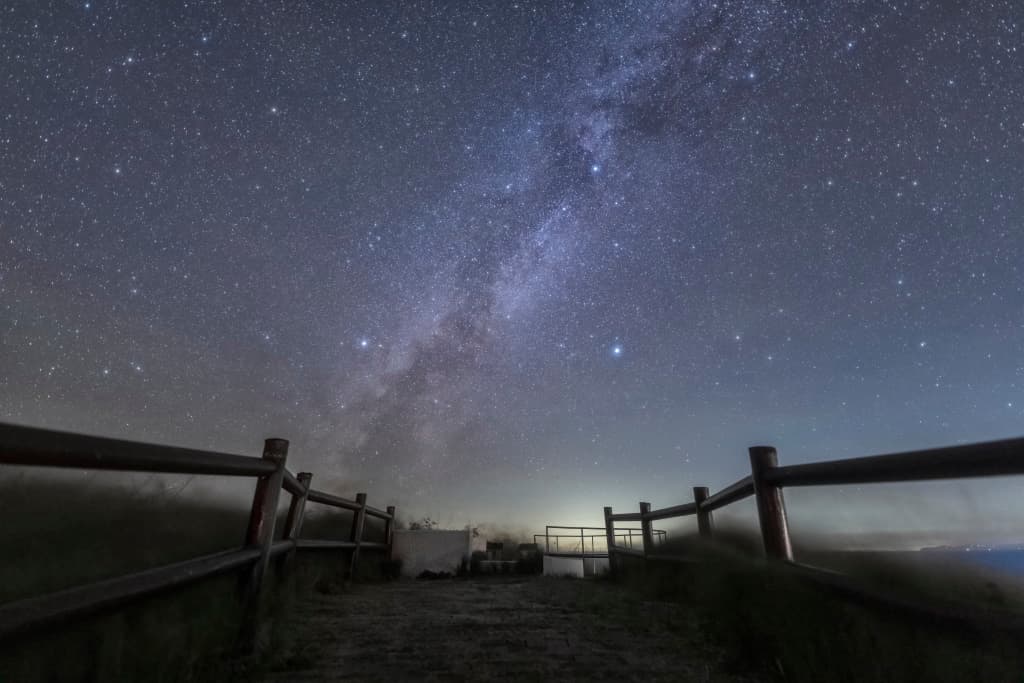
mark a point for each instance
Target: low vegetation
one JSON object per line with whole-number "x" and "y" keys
{"x": 71, "y": 531}
{"x": 769, "y": 621}
{"x": 758, "y": 619}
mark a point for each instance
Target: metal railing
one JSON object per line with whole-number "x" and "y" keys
{"x": 576, "y": 543}
{"x": 33, "y": 447}
{"x": 767, "y": 479}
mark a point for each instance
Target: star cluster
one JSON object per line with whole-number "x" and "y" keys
{"x": 526, "y": 259}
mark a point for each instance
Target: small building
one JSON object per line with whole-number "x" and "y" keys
{"x": 496, "y": 562}
{"x": 528, "y": 551}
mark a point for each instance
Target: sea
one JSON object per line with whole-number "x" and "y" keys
{"x": 1008, "y": 561}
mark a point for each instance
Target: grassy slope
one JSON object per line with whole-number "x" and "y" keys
{"x": 768, "y": 620}
{"x": 66, "y": 533}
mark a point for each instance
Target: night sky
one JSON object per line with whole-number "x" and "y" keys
{"x": 500, "y": 262}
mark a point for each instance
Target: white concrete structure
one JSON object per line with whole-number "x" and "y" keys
{"x": 563, "y": 566}
{"x": 574, "y": 566}
{"x": 436, "y": 551}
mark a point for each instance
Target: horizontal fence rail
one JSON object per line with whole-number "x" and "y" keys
{"x": 292, "y": 485}
{"x": 657, "y": 536}
{"x": 380, "y": 514}
{"x": 765, "y": 484}
{"x": 734, "y": 493}
{"x": 43, "y": 448}
{"x": 310, "y": 544}
{"x": 81, "y": 600}
{"x": 579, "y": 540}
{"x": 33, "y": 447}
{"x": 991, "y": 459}
{"x": 674, "y": 511}
{"x": 627, "y": 517}
{"x": 333, "y": 501}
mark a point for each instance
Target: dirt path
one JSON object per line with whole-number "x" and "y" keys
{"x": 497, "y": 629}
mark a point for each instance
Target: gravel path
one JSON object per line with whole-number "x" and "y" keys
{"x": 516, "y": 629}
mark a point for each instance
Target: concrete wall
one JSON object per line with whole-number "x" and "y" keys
{"x": 595, "y": 566}
{"x": 563, "y": 566}
{"x": 575, "y": 566}
{"x": 437, "y": 551}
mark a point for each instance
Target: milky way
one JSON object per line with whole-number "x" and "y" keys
{"x": 515, "y": 261}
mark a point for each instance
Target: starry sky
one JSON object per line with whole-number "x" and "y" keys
{"x": 512, "y": 262}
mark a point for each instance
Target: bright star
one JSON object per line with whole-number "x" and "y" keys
{"x": 617, "y": 350}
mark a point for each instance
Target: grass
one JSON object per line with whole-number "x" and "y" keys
{"x": 761, "y": 618}
{"x": 70, "y": 531}
{"x": 770, "y": 621}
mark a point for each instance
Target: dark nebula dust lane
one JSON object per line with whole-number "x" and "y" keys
{"x": 516, "y": 260}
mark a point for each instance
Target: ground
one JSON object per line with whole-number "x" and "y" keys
{"x": 517, "y": 629}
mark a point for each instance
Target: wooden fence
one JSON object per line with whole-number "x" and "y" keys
{"x": 45, "y": 448}
{"x": 767, "y": 479}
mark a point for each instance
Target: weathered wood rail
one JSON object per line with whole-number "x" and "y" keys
{"x": 44, "y": 448}
{"x": 767, "y": 479}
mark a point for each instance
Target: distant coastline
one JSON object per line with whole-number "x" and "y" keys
{"x": 1005, "y": 558}
{"x": 973, "y": 548}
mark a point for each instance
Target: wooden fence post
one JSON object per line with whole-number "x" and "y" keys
{"x": 389, "y": 531}
{"x": 296, "y": 513}
{"x": 645, "y": 529}
{"x": 262, "y": 518}
{"x": 705, "y": 522}
{"x": 356, "y": 536}
{"x": 771, "y": 508}
{"x": 609, "y": 533}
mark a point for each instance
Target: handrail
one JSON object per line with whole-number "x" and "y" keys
{"x": 586, "y": 554}
{"x": 744, "y": 488}
{"x": 30, "y": 446}
{"x": 575, "y": 535}
{"x": 22, "y": 615}
{"x": 375, "y": 512}
{"x": 987, "y": 459}
{"x": 627, "y": 517}
{"x": 767, "y": 480}
{"x": 674, "y": 511}
{"x": 44, "y": 448}
{"x": 309, "y": 544}
{"x": 333, "y": 501}
{"x": 580, "y": 540}
{"x": 292, "y": 485}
